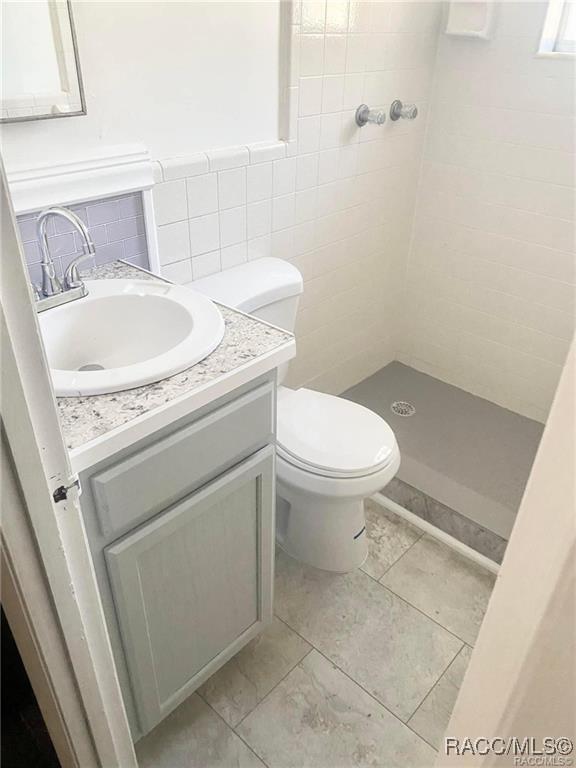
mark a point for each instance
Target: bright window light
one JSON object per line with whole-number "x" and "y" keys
{"x": 559, "y": 34}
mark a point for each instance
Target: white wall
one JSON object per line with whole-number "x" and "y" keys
{"x": 177, "y": 76}
{"x": 490, "y": 282}
{"x": 338, "y": 202}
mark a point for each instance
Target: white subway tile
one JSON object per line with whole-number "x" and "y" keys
{"x": 202, "y": 192}
{"x": 330, "y": 131}
{"x": 232, "y": 226}
{"x": 313, "y": 16}
{"x": 182, "y": 167}
{"x": 308, "y": 134}
{"x": 337, "y": 17}
{"x": 282, "y": 246}
{"x": 266, "y": 151}
{"x": 206, "y": 264}
{"x": 305, "y": 205}
{"x": 284, "y": 176}
{"x": 231, "y": 188}
{"x": 173, "y": 242}
{"x": 204, "y": 234}
{"x": 328, "y": 165}
{"x": 170, "y": 202}
{"x": 233, "y": 255}
{"x": 353, "y": 91}
{"x": 283, "y": 212}
{"x": 332, "y": 93}
{"x": 310, "y": 96}
{"x": 180, "y": 272}
{"x": 307, "y": 171}
{"x": 311, "y": 55}
{"x": 259, "y": 182}
{"x": 259, "y": 218}
{"x": 259, "y": 247}
{"x": 334, "y": 54}
{"x": 230, "y": 157}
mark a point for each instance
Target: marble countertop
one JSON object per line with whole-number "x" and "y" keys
{"x": 246, "y": 341}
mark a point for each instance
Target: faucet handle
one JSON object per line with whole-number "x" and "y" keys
{"x": 404, "y": 111}
{"x": 366, "y": 115}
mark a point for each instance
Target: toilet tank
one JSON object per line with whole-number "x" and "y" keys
{"x": 266, "y": 288}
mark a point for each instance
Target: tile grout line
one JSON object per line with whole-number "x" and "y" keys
{"x": 422, "y": 533}
{"x": 372, "y": 696}
{"x": 292, "y": 668}
{"x": 229, "y": 727}
{"x": 234, "y": 728}
{"x": 403, "y": 599}
{"x": 436, "y": 684}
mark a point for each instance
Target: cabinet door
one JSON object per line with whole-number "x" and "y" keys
{"x": 194, "y": 585}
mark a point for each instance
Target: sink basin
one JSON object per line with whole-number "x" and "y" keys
{"x": 127, "y": 333}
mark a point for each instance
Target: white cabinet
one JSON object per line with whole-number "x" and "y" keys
{"x": 194, "y": 584}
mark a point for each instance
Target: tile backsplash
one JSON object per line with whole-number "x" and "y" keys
{"x": 116, "y": 225}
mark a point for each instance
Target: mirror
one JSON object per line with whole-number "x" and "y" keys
{"x": 40, "y": 68}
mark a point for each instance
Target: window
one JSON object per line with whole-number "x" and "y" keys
{"x": 559, "y": 34}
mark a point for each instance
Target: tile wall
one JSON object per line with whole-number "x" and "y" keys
{"x": 116, "y": 225}
{"x": 335, "y": 200}
{"x": 490, "y": 283}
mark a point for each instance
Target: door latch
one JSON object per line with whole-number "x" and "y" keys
{"x": 61, "y": 493}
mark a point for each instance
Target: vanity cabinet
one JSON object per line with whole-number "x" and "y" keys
{"x": 192, "y": 586}
{"x": 181, "y": 529}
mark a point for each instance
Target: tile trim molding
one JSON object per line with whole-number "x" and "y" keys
{"x": 436, "y": 533}
{"x": 109, "y": 172}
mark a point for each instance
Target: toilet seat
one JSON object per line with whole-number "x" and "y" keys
{"x": 332, "y": 437}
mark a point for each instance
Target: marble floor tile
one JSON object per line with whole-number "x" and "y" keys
{"x": 388, "y": 538}
{"x": 444, "y": 585}
{"x": 432, "y": 716}
{"x": 243, "y": 682}
{"x": 193, "y": 736}
{"x": 318, "y": 717}
{"x": 389, "y": 648}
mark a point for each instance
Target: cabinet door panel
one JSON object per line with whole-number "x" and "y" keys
{"x": 194, "y": 585}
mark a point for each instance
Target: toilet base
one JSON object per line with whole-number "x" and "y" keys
{"x": 326, "y": 533}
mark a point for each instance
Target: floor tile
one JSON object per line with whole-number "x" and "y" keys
{"x": 444, "y": 585}
{"x": 318, "y": 717}
{"x": 243, "y": 682}
{"x": 193, "y": 736}
{"x": 385, "y": 645}
{"x": 431, "y": 718}
{"x": 388, "y": 538}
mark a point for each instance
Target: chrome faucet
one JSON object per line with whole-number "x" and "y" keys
{"x": 53, "y": 292}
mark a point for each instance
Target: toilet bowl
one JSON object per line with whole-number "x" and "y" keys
{"x": 331, "y": 453}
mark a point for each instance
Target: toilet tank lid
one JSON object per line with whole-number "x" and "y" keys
{"x": 253, "y": 285}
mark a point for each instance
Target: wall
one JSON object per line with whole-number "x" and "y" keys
{"x": 177, "y": 76}
{"x": 337, "y": 201}
{"x": 490, "y": 282}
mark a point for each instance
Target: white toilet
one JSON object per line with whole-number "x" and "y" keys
{"x": 331, "y": 453}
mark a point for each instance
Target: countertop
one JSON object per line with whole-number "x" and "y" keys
{"x": 98, "y": 425}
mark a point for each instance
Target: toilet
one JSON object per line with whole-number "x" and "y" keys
{"x": 331, "y": 453}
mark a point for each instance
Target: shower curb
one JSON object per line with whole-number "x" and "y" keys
{"x": 437, "y": 533}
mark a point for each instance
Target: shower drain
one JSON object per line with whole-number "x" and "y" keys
{"x": 402, "y": 408}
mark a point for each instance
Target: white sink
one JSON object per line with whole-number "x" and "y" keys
{"x": 127, "y": 333}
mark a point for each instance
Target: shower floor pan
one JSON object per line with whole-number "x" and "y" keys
{"x": 465, "y": 452}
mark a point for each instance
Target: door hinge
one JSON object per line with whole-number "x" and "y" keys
{"x": 61, "y": 493}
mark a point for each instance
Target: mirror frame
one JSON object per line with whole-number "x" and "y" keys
{"x": 78, "y": 113}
